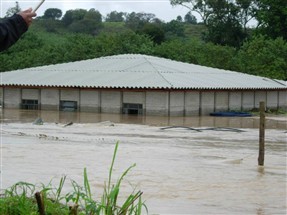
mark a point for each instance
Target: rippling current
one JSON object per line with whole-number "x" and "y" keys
{"x": 202, "y": 170}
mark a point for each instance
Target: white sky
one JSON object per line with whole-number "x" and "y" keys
{"x": 161, "y": 8}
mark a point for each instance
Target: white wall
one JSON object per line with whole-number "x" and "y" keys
{"x": 272, "y": 100}
{"x": 192, "y": 103}
{"x": 283, "y": 99}
{"x": 157, "y": 103}
{"x": 69, "y": 95}
{"x": 111, "y": 102}
{"x": 50, "y": 99}
{"x": 221, "y": 101}
{"x": 248, "y": 100}
{"x": 260, "y": 96}
{"x": 134, "y": 97}
{"x": 89, "y": 101}
{"x": 164, "y": 103}
{"x": 235, "y": 101}
{"x": 1, "y": 96}
{"x": 176, "y": 104}
{"x": 30, "y": 94}
{"x": 207, "y": 103}
{"x": 12, "y": 97}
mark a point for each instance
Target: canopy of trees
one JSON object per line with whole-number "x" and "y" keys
{"x": 227, "y": 20}
{"x": 52, "y": 13}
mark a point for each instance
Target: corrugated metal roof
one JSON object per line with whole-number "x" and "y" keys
{"x": 135, "y": 71}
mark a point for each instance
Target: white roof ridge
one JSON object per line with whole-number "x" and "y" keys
{"x": 137, "y": 71}
{"x": 159, "y": 72}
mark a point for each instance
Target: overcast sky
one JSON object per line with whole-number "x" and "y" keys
{"x": 161, "y": 8}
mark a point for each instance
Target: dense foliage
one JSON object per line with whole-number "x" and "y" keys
{"x": 223, "y": 39}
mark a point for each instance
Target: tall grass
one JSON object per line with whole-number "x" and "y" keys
{"x": 19, "y": 199}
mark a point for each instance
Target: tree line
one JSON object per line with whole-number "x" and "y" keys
{"x": 221, "y": 39}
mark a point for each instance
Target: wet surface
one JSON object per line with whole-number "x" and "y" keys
{"x": 10, "y": 115}
{"x": 180, "y": 171}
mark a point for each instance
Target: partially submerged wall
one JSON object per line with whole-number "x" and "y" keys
{"x": 151, "y": 102}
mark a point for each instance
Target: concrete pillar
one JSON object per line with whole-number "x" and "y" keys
{"x": 248, "y": 100}
{"x": 260, "y": 96}
{"x": 272, "y": 100}
{"x": 221, "y": 101}
{"x": 176, "y": 104}
{"x": 283, "y": 99}
{"x": 192, "y": 103}
{"x": 235, "y": 101}
{"x": 207, "y": 103}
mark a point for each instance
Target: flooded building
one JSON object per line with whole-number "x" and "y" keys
{"x": 138, "y": 84}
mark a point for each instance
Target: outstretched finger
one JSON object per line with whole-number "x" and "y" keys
{"x": 29, "y": 10}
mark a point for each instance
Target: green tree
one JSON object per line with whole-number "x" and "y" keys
{"x": 79, "y": 47}
{"x": 115, "y": 16}
{"x": 205, "y": 8}
{"x": 272, "y": 18}
{"x": 87, "y": 26}
{"x": 154, "y": 31}
{"x": 136, "y": 21}
{"x": 196, "y": 51}
{"x": 224, "y": 28}
{"x": 22, "y": 54}
{"x": 94, "y": 15}
{"x": 11, "y": 11}
{"x": 179, "y": 18}
{"x": 246, "y": 12}
{"x": 83, "y": 21}
{"x": 225, "y": 19}
{"x": 174, "y": 29}
{"x": 201, "y": 7}
{"x": 264, "y": 57}
{"x": 52, "y": 13}
{"x": 189, "y": 18}
{"x": 73, "y": 16}
{"x": 123, "y": 43}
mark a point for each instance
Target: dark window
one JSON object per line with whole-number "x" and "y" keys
{"x": 129, "y": 108}
{"x": 68, "y": 106}
{"x": 29, "y": 104}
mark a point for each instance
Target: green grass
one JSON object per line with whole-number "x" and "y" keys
{"x": 196, "y": 31}
{"x": 20, "y": 198}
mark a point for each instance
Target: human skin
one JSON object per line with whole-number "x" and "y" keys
{"x": 28, "y": 15}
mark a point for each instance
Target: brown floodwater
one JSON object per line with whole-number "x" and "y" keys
{"x": 179, "y": 170}
{"x": 15, "y": 115}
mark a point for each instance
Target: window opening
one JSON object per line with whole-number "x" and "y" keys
{"x": 135, "y": 109}
{"x": 29, "y": 104}
{"x": 68, "y": 105}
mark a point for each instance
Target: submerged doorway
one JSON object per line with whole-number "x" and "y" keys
{"x": 68, "y": 106}
{"x": 135, "y": 109}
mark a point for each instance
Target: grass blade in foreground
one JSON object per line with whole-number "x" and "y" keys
{"x": 19, "y": 199}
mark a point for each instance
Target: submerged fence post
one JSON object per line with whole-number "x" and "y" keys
{"x": 261, "y": 135}
{"x": 40, "y": 203}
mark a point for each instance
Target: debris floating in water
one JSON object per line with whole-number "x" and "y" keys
{"x": 38, "y": 121}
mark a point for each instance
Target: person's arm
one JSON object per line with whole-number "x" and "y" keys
{"x": 12, "y": 28}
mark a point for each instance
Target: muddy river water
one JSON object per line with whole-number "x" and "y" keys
{"x": 210, "y": 169}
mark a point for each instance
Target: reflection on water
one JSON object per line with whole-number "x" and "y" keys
{"x": 261, "y": 170}
{"x": 9, "y": 115}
